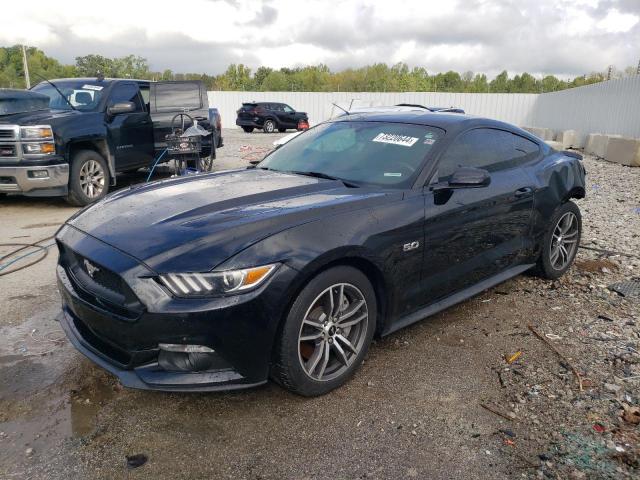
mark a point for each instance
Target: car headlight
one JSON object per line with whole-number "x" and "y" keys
{"x": 38, "y": 148}
{"x": 36, "y": 133}
{"x": 215, "y": 283}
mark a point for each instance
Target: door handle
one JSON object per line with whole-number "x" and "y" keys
{"x": 523, "y": 192}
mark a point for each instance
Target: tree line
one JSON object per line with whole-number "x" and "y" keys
{"x": 378, "y": 77}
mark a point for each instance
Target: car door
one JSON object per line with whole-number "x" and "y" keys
{"x": 474, "y": 233}
{"x": 131, "y": 133}
{"x": 169, "y": 99}
{"x": 290, "y": 119}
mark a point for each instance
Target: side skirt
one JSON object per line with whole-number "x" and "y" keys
{"x": 456, "y": 298}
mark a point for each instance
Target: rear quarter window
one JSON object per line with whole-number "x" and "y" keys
{"x": 170, "y": 97}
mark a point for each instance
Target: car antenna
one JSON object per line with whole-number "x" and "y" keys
{"x": 57, "y": 89}
{"x": 344, "y": 110}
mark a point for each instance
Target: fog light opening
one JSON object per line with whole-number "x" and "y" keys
{"x": 38, "y": 174}
{"x": 184, "y": 348}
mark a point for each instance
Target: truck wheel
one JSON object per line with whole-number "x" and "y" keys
{"x": 248, "y": 129}
{"x": 88, "y": 178}
{"x": 282, "y": 130}
{"x": 269, "y": 126}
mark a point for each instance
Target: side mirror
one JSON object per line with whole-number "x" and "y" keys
{"x": 121, "y": 107}
{"x": 465, "y": 177}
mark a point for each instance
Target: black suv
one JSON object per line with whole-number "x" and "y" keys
{"x": 269, "y": 116}
{"x": 70, "y": 137}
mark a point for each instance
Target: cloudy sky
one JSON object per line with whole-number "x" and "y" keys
{"x": 563, "y": 37}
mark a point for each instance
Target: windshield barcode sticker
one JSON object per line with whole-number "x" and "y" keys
{"x": 96, "y": 88}
{"x": 395, "y": 139}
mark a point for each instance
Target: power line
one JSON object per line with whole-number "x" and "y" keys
{"x": 26, "y": 67}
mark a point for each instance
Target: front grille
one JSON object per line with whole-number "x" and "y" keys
{"x": 100, "y": 286}
{"x": 7, "y": 133}
{"x": 7, "y": 150}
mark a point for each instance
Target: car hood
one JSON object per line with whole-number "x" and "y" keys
{"x": 195, "y": 223}
{"x": 37, "y": 117}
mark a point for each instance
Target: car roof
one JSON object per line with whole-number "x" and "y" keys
{"x": 450, "y": 122}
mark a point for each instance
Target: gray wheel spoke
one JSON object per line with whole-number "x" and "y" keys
{"x": 347, "y": 344}
{"x": 338, "y": 302}
{"x": 315, "y": 358}
{"x": 353, "y": 322}
{"x": 352, "y": 310}
{"x": 313, "y": 323}
{"x": 313, "y": 336}
{"x": 340, "y": 354}
{"x": 325, "y": 359}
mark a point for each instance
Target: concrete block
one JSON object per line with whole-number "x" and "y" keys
{"x": 571, "y": 139}
{"x": 623, "y": 150}
{"x": 556, "y": 145}
{"x": 541, "y": 133}
{"x": 597, "y": 144}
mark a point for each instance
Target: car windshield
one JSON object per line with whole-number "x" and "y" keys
{"x": 364, "y": 153}
{"x": 83, "y": 95}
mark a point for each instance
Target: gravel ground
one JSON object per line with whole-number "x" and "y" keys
{"x": 436, "y": 400}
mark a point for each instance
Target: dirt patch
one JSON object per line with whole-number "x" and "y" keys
{"x": 596, "y": 265}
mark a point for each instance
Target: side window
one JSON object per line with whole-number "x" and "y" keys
{"x": 486, "y": 148}
{"x": 144, "y": 91}
{"x": 288, "y": 109}
{"x": 127, "y": 92}
{"x": 177, "y": 97}
{"x": 277, "y": 107}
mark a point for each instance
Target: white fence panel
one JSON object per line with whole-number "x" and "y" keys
{"x": 608, "y": 107}
{"x": 513, "y": 108}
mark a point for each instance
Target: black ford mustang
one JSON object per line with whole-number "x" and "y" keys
{"x": 355, "y": 228}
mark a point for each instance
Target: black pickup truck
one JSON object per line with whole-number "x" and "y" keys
{"x": 70, "y": 137}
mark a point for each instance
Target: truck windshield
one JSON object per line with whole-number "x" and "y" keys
{"x": 364, "y": 153}
{"x": 83, "y": 95}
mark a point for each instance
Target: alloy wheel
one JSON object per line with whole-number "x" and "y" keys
{"x": 564, "y": 241}
{"x": 333, "y": 332}
{"x": 269, "y": 127}
{"x": 92, "y": 179}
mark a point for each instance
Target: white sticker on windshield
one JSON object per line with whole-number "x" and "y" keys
{"x": 395, "y": 139}
{"x": 392, "y": 174}
{"x": 96, "y": 88}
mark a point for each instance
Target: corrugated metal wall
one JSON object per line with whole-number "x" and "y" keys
{"x": 607, "y": 107}
{"x": 513, "y": 108}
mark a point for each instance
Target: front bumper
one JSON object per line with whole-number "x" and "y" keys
{"x": 19, "y": 179}
{"x": 124, "y": 341}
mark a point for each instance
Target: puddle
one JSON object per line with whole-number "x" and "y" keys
{"x": 49, "y": 393}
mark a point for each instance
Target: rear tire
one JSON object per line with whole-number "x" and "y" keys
{"x": 88, "y": 178}
{"x": 560, "y": 242}
{"x": 269, "y": 126}
{"x": 247, "y": 129}
{"x": 327, "y": 332}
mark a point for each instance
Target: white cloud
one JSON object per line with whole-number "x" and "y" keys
{"x": 616, "y": 21}
{"x": 565, "y": 37}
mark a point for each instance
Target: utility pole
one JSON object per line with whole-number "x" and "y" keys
{"x": 609, "y": 70}
{"x": 26, "y": 67}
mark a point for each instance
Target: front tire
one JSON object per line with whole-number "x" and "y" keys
{"x": 269, "y": 126}
{"x": 327, "y": 332}
{"x": 561, "y": 241}
{"x": 88, "y": 178}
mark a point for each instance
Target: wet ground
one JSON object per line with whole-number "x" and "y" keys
{"x": 412, "y": 411}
